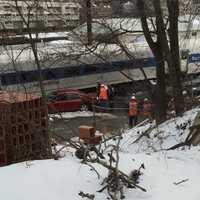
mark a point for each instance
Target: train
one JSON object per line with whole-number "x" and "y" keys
{"x": 85, "y": 75}
{"x": 81, "y": 73}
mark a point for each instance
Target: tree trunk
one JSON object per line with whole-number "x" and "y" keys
{"x": 89, "y": 21}
{"x": 160, "y": 98}
{"x": 156, "y": 47}
{"x": 172, "y": 60}
{"x": 39, "y": 68}
{"x": 173, "y": 7}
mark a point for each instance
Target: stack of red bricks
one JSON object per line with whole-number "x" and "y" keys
{"x": 23, "y": 128}
{"x": 3, "y": 153}
{"x": 87, "y": 134}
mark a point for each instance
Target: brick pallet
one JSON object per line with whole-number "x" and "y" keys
{"x": 23, "y": 128}
{"x": 87, "y": 134}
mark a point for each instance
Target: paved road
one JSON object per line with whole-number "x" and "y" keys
{"x": 105, "y": 122}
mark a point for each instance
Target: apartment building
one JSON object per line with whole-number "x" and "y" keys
{"x": 42, "y": 14}
{"x": 196, "y": 6}
{"x": 99, "y": 9}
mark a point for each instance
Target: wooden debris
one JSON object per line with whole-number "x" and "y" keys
{"x": 145, "y": 133}
{"x": 86, "y": 195}
{"x": 183, "y": 181}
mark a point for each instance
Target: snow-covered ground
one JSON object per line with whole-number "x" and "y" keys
{"x": 70, "y": 115}
{"x": 65, "y": 178}
{"x": 162, "y": 137}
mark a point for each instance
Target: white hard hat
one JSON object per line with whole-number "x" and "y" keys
{"x": 133, "y": 97}
{"x": 184, "y": 92}
{"x": 146, "y": 99}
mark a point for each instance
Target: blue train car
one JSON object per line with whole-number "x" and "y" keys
{"x": 76, "y": 76}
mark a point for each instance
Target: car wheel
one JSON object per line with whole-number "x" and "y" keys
{"x": 84, "y": 107}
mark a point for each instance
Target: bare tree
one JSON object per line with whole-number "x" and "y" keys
{"x": 174, "y": 62}
{"x": 163, "y": 52}
{"x": 89, "y": 21}
{"x": 32, "y": 7}
{"x": 156, "y": 46}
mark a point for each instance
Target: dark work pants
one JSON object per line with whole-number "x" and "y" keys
{"x": 132, "y": 119}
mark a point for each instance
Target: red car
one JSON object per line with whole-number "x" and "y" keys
{"x": 69, "y": 100}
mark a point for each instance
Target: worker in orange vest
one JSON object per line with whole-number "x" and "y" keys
{"x": 103, "y": 96}
{"x": 133, "y": 111}
{"x": 147, "y": 109}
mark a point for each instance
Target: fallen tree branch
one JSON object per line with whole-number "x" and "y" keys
{"x": 103, "y": 188}
{"x": 98, "y": 175}
{"x": 145, "y": 133}
{"x": 123, "y": 174}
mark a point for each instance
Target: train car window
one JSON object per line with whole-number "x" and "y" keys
{"x": 9, "y": 78}
{"x": 49, "y": 75}
{"x": 184, "y": 54}
{"x": 23, "y": 78}
{"x": 194, "y": 33}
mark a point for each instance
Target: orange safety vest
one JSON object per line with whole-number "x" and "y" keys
{"x": 103, "y": 94}
{"x": 133, "y": 108}
{"x": 147, "y": 109}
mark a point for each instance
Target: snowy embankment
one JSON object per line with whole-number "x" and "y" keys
{"x": 65, "y": 178}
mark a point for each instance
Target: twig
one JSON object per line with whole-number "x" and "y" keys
{"x": 103, "y": 188}
{"x": 98, "y": 175}
{"x": 184, "y": 180}
{"x": 145, "y": 133}
{"x": 86, "y": 195}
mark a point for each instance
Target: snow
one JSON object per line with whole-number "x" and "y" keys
{"x": 48, "y": 35}
{"x": 52, "y": 180}
{"x": 167, "y": 135}
{"x": 65, "y": 178}
{"x": 69, "y": 115}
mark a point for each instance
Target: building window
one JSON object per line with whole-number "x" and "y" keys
{"x": 196, "y": 1}
{"x": 194, "y": 33}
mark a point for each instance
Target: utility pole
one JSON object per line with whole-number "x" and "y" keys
{"x": 89, "y": 21}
